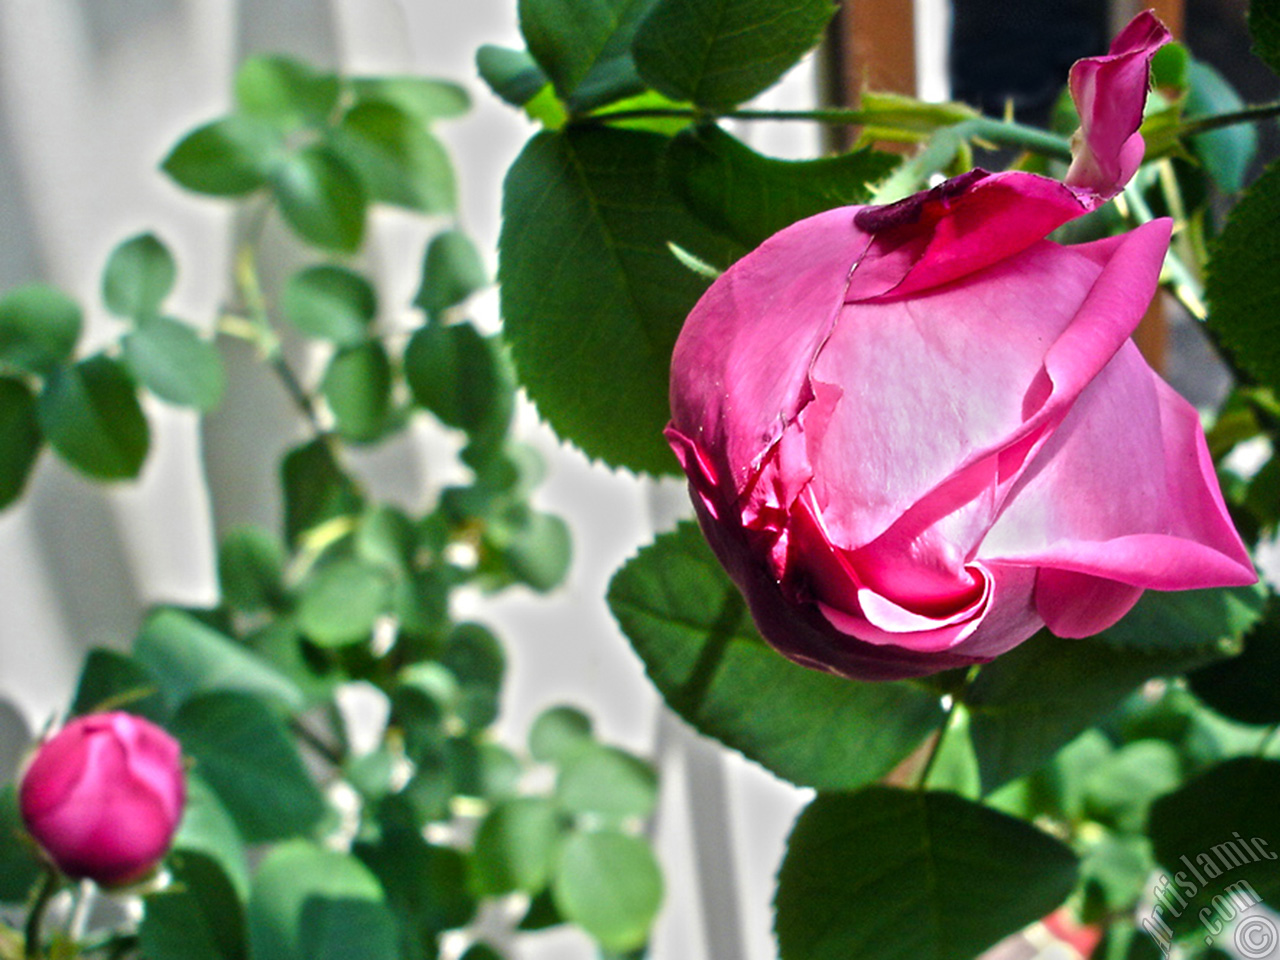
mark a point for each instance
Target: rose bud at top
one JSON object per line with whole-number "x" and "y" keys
{"x": 916, "y": 434}
{"x": 104, "y": 796}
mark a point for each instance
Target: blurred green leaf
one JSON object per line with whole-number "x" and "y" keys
{"x": 243, "y": 750}
{"x": 20, "y": 438}
{"x": 188, "y": 657}
{"x": 607, "y": 783}
{"x": 476, "y": 658}
{"x": 1115, "y": 872}
{"x": 481, "y": 951}
{"x": 341, "y": 600}
{"x": 285, "y": 92}
{"x": 1227, "y": 153}
{"x": 20, "y": 864}
{"x": 139, "y": 274}
{"x": 313, "y": 904}
{"x": 610, "y": 885}
{"x": 321, "y": 198}
{"x": 718, "y": 53}
{"x": 1120, "y": 789}
{"x": 330, "y": 303}
{"x": 690, "y": 626}
{"x": 198, "y": 916}
{"x": 251, "y": 569}
{"x": 175, "y": 363}
{"x": 39, "y": 327}
{"x": 357, "y": 387}
{"x": 229, "y": 157}
{"x": 749, "y": 197}
{"x": 461, "y": 377}
{"x": 933, "y": 856}
{"x": 451, "y": 272}
{"x": 514, "y": 847}
{"x": 584, "y": 46}
{"x": 90, "y": 414}
{"x": 1243, "y": 688}
{"x": 110, "y": 679}
{"x": 207, "y": 828}
{"x": 423, "y": 97}
{"x": 591, "y": 296}
{"x": 1264, "y": 27}
{"x": 512, "y": 74}
{"x": 396, "y": 158}
{"x": 559, "y": 734}
{"x": 315, "y": 489}
{"x": 537, "y": 550}
{"x": 1188, "y": 621}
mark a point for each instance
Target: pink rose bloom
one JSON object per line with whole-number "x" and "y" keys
{"x": 917, "y": 434}
{"x": 104, "y": 796}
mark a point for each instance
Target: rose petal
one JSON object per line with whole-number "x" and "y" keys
{"x": 1078, "y": 605}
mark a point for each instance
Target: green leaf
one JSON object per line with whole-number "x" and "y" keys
{"x": 246, "y": 754}
{"x": 451, "y": 272}
{"x": 340, "y": 602}
{"x": 514, "y": 847}
{"x": 591, "y": 296}
{"x": 426, "y": 885}
{"x": 1243, "y": 282}
{"x": 396, "y": 157}
{"x": 39, "y": 327}
{"x": 188, "y": 657}
{"x": 476, "y": 659}
{"x": 198, "y": 916}
{"x": 1218, "y": 836}
{"x": 1120, "y": 789}
{"x": 461, "y": 377}
{"x": 749, "y": 197}
{"x": 207, "y": 828}
{"x": 1189, "y": 621}
{"x": 313, "y": 904}
{"x": 321, "y": 198}
{"x": 316, "y": 489}
{"x": 689, "y": 625}
{"x": 512, "y": 74}
{"x": 1040, "y": 695}
{"x": 90, "y": 415}
{"x": 1243, "y": 688}
{"x": 423, "y": 97}
{"x": 538, "y": 551}
{"x": 251, "y": 570}
{"x": 610, "y": 885}
{"x": 559, "y": 734}
{"x": 887, "y": 874}
{"x": 110, "y": 680}
{"x": 719, "y": 53}
{"x": 607, "y": 783}
{"x": 1227, "y": 153}
{"x": 20, "y": 438}
{"x": 229, "y": 157}
{"x": 285, "y": 92}
{"x": 357, "y": 387}
{"x": 584, "y": 46}
{"x": 1264, "y": 27}
{"x": 175, "y": 363}
{"x": 140, "y": 273}
{"x": 19, "y": 863}
{"x": 330, "y": 303}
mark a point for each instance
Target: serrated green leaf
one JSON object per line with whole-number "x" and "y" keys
{"x": 610, "y": 885}
{"x": 330, "y": 303}
{"x": 229, "y": 157}
{"x": 1243, "y": 280}
{"x": 198, "y": 916}
{"x": 514, "y": 847}
{"x": 315, "y": 489}
{"x": 749, "y": 197}
{"x": 423, "y": 97}
{"x": 139, "y": 274}
{"x": 188, "y": 657}
{"x": 452, "y": 271}
{"x": 39, "y": 327}
{"x": 690, "y": 626}
{"x": 462, "y": 378}
{"x": 175, "y": 363}
{"x": 340, "y": 602}
{"x": 591, "y": 296}
{"x": 314, "y": 904}
{"x": 719, "y": 53}
{"x": 607, "y": 783}
{"x": 584, "y": 46}
{"x": 396, "y": 157}
{"x": 285, "y": 92}
{"x": 357, "y": 387}
{"x": 20, "y": 438}
{"x": 90, "y": 414}
{"x": 887, "y": 874}
{"x": 243, "y": 751}
{"x": 321, "y": 197}
{"x": 251, "y": 569}
{"x": 512, "y": 74}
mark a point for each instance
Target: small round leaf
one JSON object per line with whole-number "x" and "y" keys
{"x": 229, "y": 157}
{"x": 340, "y": 602}
{"x": 175, "y": 363}
{"x": 91, "y": 416}
{"x": 39, "y": 327}
{"x": 140, "y": 273}
{"x": 321, "y": 198}
{"x": 330, "y": 303}
{"x": 357, "y": 388}
{"x": 610, "y": 885}
{"x": 451, "y": 272}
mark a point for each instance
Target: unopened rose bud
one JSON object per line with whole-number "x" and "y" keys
{"x": 104, "y": 796}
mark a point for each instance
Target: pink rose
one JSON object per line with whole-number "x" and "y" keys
{"x": 916, "y": 434}
{"x": 104, "y": 796}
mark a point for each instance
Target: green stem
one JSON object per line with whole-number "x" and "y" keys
{"x": 937, "y": 743}
{"x": 1262, "y": 111}
{"x": 1267, "y": 739}
{"x": 50, "y": 881}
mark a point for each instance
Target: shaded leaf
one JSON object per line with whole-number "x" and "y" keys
{"x": 175, "y": 363}
{"x": 605, "y": 782}
{"x": 321, "y": 198}
{"x": 315, "y": 489}
{"x": 512, "y": 74}
{"x": 284, "y": 91}
{"x": 559, "y": 734}
{"x": 331, "y": 303}
{"x": 610, "y": 885}
{"x": 423, "y": 97}
{"x": 90, "y": 414}
{"x": 451, "y": 272}
{"x": 461, "y": 377}
{"x": 20, "y": 438}
{"x": 198, "y": 916}
{"x": 514, "y": 846}
{"x": 396, "y": 157}
{"x": 39, "y": 327}
{"x": 229, "y": 157}
{"x": 139, "y": 274}
{"x": 340, "y": 602}
{"x": 357, "y": 387}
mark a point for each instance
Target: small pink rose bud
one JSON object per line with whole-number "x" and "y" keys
{"x": 104, "y": 796}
